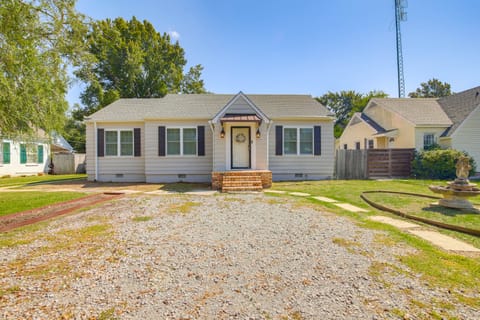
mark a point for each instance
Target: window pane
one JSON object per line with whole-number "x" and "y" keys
{"x": 32, "y": 153}
{"x": 190, "y": 141}
{"x": 111, "y": 148}
{"x": 290, "y": 141}
{"x": 306, "y": 140}
{"x": 126, "y": 143}
{"x": 173, "y": 141}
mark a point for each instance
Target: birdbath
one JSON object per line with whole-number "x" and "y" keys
{"x": 456, "y": 193}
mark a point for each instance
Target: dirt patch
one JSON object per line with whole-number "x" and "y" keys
{"x": 24, "y": 218}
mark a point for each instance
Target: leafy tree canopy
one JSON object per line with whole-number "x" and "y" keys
{"x": 345, "y": 103}
{"x": 133, "y": 60}
{"x": 38, "y": 40}
{"x": 433, "y": 88}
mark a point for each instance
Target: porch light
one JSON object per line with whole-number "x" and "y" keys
{"x": 222, "y": 133}
{"x": 258, "y": 133}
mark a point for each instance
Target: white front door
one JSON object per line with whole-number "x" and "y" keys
{"x": 240, "y": 147}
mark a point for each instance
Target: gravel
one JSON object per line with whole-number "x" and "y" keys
{"x": 245, "y": 256}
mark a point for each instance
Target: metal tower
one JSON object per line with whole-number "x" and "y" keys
{"x": 400, "y": 15}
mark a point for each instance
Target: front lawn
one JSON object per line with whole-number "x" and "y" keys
{"x": 28, "y": 180}
{"x": 458, "y": 274}
{"x": 12, "y": 202}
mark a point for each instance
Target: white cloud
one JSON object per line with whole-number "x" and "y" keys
{"x": 174, "y": 35}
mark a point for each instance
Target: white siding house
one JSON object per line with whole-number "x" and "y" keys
{"x": 19, "y": 157}
{"x": 188, "y": 137}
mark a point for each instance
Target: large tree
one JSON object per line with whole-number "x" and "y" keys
{"x": 345, "y": 103}
{"x": 38, "y": 40}
{"x": 133, "y": 60}
{"x": 433, "y": 88}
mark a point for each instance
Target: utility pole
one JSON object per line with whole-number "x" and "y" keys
{"x": 400, "y": 15}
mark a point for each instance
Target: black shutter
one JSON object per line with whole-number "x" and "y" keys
{"x": 100, "y": 142}
{"x": 201, "y": 140}
{"x": 317, "y": 140}
{"x": 278, "y": 140}
{"x": 137, "y": 142}
{"x": 161, "y": 141}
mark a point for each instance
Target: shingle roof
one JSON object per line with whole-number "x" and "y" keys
{"x": 459, "y": 106}
{"x": 206, "y": 106}
{"x": 419, "y": 111}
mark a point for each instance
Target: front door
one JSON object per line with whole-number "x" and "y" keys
{"x": 240, "y": 147}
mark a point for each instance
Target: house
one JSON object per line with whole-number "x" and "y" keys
{"x": 452, "y": 122}
{"x": 203, "y": 137}
{"x": 30, "y": 156}
{"x": 24, "y": 157}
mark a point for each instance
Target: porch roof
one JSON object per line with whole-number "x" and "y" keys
{"x": 240, "y": 118}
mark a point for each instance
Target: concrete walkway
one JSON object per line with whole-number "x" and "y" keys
{"x": 443, "y": 241}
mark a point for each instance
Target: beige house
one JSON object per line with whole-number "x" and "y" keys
{"x": 198, "y": 137}
{"x": 451, "y": 122}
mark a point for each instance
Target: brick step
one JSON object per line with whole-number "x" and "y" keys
{"x": 241, "y": 189}
{"x": 241, "y": 173}
{"x": 243, "y": 184}
{"x": 242, "y": 179}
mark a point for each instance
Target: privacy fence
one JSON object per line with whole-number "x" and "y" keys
{"x": 373, "y": 163}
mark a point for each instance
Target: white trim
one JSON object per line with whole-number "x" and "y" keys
{"x": 181, "y": 128}
{"x": 95, "y": 131}
{"x": 298, "y": 140}
{"x": 239, "y": 95}
{"x": 119, "y": 146}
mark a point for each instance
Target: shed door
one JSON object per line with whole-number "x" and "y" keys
{"x": 240, "y": 141}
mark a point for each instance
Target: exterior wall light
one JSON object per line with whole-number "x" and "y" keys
{"x": 258, "y": 133}
{"x": 222, "y": 133}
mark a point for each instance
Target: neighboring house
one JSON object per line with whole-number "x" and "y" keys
{"x": 29, "y": 156}
{"x": 452, "y": 122}
{"x": 194, "y": 137}
{"x": 23, "y": 157}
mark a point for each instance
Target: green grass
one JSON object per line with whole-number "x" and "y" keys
{"x": 182, "y": 187}
{"x": 460, "y": 274}
{"x": 29, "y": 180}
{"x": 12, "y": 202}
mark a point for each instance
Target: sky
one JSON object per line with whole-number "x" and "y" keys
{"x": 312, "y": 46}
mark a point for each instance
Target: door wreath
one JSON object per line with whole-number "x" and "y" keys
{"x": 240, "y": 138}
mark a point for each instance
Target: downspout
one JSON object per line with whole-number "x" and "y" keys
{"x": 96, "y": 150}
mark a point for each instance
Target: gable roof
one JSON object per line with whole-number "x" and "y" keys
{"x": 459, "y": 106}
{"x": 419, "y": 111}
{"x": 207, "y": 106}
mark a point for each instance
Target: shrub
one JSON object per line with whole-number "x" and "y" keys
{"x": 438, "y": 164}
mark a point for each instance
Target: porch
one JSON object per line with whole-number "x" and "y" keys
{"x": 244, "y": 180}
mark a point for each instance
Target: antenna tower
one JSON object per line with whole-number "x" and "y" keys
{"x": 400, "y": 15}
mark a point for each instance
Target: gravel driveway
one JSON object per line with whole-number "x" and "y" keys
{"x": 245, "y": 256}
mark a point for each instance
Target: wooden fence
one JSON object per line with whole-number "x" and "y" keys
{"x": 67, "y": 163}
{"x": 373, "y": 163}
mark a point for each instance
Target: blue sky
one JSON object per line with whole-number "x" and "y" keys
{"x": 312, "y": 46}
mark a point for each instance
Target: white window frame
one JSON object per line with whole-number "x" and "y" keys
{"x": 181, "y": 128}
{"x": 32, "y": 156}
{"x": 119, "y": 143}
{"x": 425, "y": 135}
{"x": 372, "y": 146}
{"x": 298, "y": 140}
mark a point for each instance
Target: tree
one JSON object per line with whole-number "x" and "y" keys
{"x": 38, "y": 40}
{"x": 133, "y": 60}
{"x": 345, "y": 103}
{"x": 75, "y": 129}
{"x": 433, "y": 88}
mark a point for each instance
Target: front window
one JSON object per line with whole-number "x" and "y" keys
{"x": 298, "y": 141}
{"x": 31, "y": 153}
{"x": 370, "y": 144}
{"x": 119, "y": 143}
{"x": 181, "y": 141}
{"x": 357, "y": 145}
{"x": 428, "y": 140}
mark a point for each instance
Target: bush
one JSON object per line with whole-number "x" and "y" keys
{"x": 438, "y": 164}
